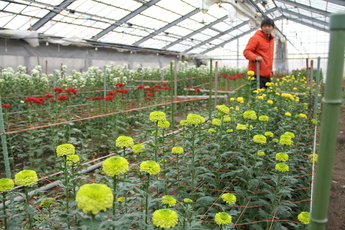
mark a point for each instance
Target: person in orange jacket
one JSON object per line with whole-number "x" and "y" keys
{"x": 260, "y": 48}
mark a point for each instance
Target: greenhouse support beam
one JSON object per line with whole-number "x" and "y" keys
{"x": 316, "y": 95}
{"x": 4, "y": 144}
{"x": 329, "y": 123}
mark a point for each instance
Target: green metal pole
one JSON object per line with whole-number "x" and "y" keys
{"x": 316, "y": 97}
{"x": 4, "y": 144}
{"x": 329, "y": 123}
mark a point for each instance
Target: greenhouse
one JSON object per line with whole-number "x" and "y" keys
{"x": 172, "y": 114}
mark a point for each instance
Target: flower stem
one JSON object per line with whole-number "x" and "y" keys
{"x": 147, "y": 198}
{"x": 193, "y": 156}
{"x": 27, "y": 204}
{"x": 156, "y": 142}
{"x": 4, "y": 210}
{"x": 66, "y": 191}
{"x": 114, "y": 202}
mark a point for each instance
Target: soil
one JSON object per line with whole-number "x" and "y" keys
{"x": 336, "y": 209}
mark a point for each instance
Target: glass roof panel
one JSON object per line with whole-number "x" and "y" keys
{"x": 160, "y": 14}
{"x": 179, "y": 30}
{"x": 17, "y": 22}
{"x": 146, "y": 21}
{"x": 5, "y": 18}
{"x": 15, "y": 8}
{"x": 35, "y": 12}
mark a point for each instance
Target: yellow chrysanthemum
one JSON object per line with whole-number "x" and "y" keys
{"x": 165, "y": 218}
{"x": 150, "y": 167}
{"x": 169, "y": 200}
{"x": 121, "y": 199}
{"x": 163, "y": 124}
{"x": 157, "y": 116}
{"x": 226, "y": 118}
{"x": 261, "y": 153}
{"x": 282, "y": 167}
{"x": 177, "y": 150}
{"x": 268, "y": 134}
{"x": 138, "y": 148}
{"x": 285, "y": 141}
{"x": 72, "y": 159}
{"x": 302, "y": 115}
{"x": 6, "y": 184}
{"x": 94, "y": 198}
{"x": 26, "y": 178}
{"x": 288, "y": 114}
{"x": 229, "y": 198}
{"x": 223, "y": 108}
{"x": 240, "y": 100}
{"x": 313, "y": 157}
{"x": 114, "y": 166}
{"x": 195, "y": 119}
{"x": 229, "y": 130}
{"x": 261, "y": 139}
{"x": 183, "y": 122}
{"x": 282, "y": 157}
{"x": 187, "y": 200}
{"x": 250, "y": 114}
{"x": 65, "y": 149}
{"x": 263, "y": 118}
{"x": 223, "y": 218}
{"x": 250, "y": 73}
{"x": 288, "y": 135}
{"x": 304, "y": 217}
{"x": 216, "y": 122}
{"x": 270, "y": 102}
{"x": 241, "y": 127}
{"x": 124, "y": 142}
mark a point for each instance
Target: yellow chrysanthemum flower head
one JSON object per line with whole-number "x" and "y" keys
{"x": 226, "y": 118}
{"x": 195, "y": 119}
{"x": 270, "y": 102}
{"x": 157, "y": 116}
{"x": 241, "y": 126}
{"x": 124, "y": 142}
{"x": 6, "y": 184}
{"x": 282, "y": 157}
{"x": 240, "y": 100}
{"x": 261, "y": 139}
{"x": 165, "y": 218}
{"x": 72, "y": 159}
{"x": 229, "y": 130}
{"x": 169, "y": 200}
{"x": 94, "y": 198}
{"x": 262, "y": 153}
{"x": 163, "y": 124}
{"x": 121, "y": 199}
{"x": 223, "y": 108}
{"x": 183, "y": 122}
{"x": 263, "y": 118}
{"x": 288, "y": 134}
{"x": 223, "y": 218}
{"x": 268, "y": 134}
{"x": 216, "y": 122}
{"x": 26, "y": 178}
{"x": 187, "y": 200}
{"x": 282, "y": 167}
{"x": 177, "y": 150}
{"x": 229, "y": 198}
{"x": 313, "y": 157}
{"x": 115, "y": 165}
{"x": 304, "y": 217}
{"x": 250, "y": 73}
{"x": 249, "y": 114}
{"x": 150, "y": 167}
{"x": 65, "y": 149}
{"x": 138, "y": 148}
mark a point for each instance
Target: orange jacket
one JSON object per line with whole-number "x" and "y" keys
{"x": 260, "y": 45}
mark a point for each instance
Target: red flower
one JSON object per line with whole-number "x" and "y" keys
{"x": 109, "y": 98}
{"x": 119, "y": 84}
{"x": 111, "y": 93}
{"x": 121, "y": 91}
{"x": 87, "y": 98}
{"x": 32, "y": 100}
{"x": 140, "y": 87}
{"x": 150, "y": 94}
{"x": 49, "y": 95}
{"x": 164, "y": 83}
{"x": 187, "y": 87}
{"x": 148, "y": 88}
{"x": 71, "y": 91}
{"x": 156, "y": 86}
{"x": 156, "y": 90}
{"x": 197, "y": 89}
{"x": 62, "y": 98}
{"x": 203, "y": 80}
{"x": 52, "y": 100}
{"x": 148, "y": 98}
{"x": 167, "y": 87}
{"x": 6, "y": 106}
{"x": 58, "y": 90}
{"x": 97, "y": 98}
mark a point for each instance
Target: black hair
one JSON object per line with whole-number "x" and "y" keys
{"x": 267, "y": 21}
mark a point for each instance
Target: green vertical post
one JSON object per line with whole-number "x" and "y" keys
{"x": 316, "y": 97}
{"x": 329, "y": 123}
{"x": 210, "y": 92}
{"x": 105, "y": 82}
{"x": 4, "y": 143}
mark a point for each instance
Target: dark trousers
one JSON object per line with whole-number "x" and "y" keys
{"x": 262, "y": 81}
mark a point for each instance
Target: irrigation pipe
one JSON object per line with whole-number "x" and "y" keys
{"x": 329, "y": 123}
